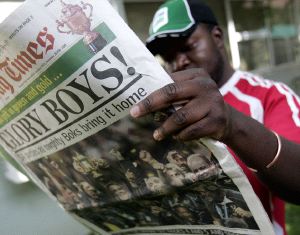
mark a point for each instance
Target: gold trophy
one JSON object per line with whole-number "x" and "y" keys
{"x": 77, "y": 22}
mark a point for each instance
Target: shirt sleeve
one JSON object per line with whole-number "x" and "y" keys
{"x": 281, "y": 114}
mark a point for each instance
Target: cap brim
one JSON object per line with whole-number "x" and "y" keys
{"x": 165, "y": 43}
{"x": 166, "y": 47}
{"x": 159, "y": 45}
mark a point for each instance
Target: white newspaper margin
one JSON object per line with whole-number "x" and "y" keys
{"x": 162, "y": 230}
{"x": 235, "y": 172}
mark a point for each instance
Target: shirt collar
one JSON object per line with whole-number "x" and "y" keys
{"x": 231, "y": 82}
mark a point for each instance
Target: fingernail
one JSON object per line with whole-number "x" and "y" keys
{"x": 135, "y": 111}
{"x": 157, "y": 135}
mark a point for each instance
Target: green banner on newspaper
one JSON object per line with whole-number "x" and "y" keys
{"x": 59, "y": 71}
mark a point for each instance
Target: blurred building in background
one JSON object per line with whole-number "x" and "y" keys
{"x": 261, "y": 36}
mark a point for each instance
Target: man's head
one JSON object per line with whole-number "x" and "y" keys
{"x": 174, "y": 174}
{"x": 210, "y": 193}
{"x": 119, "y": 190}
{"x": 186, "y": 34}
{"x": 54, "y": 164}
{"x": 130, "y": 175}
{"x": 145, "y": 156}
{"x": 185, "y": 213}
{"x": 68, "y": 195}
{"x": 90, "y": 190}
{"x": 174, "y": 157}
{"x": 155, "y": 184}
{"x": 201, "y": 166}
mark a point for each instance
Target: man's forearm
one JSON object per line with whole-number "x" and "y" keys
{"x": 257, "y": 147}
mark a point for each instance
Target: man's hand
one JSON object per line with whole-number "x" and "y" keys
{"x": 242, "y": 213}
{"x": 203, "y": 112}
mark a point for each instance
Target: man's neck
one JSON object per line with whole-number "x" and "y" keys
{"x": 227, "y": 74}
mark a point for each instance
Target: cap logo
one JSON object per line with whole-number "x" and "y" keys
{"x": 160, "y": 19}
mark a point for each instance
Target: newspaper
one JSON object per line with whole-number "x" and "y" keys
{"x": 69, "y": 73}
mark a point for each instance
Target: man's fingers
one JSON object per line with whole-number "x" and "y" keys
{"x": 206, "y": 127}
{"x": 194, "y": 120}
{"x": 183, "y": 117}
{"x": 197, "y": 130}
{"x": 189, "y": 74}
{"x": 155, "y": 101}
{"x": 202, "y": 113}
{"x": 164, "y": 97}
{"x": 188, "y": 84}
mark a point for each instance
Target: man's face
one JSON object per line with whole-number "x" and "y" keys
{"x": 155, "y": 184}
{"x": 156, "y": 210}
{"x": 185, "y": 213}
{"x": 145, "y": 156}
{"x": 203, "y": 168}
{"x": 176, "y": 158}
{"x": 90, "y": 190}
{"x": 199, "y": 50}
{"x": 54, "y": 164}
{"x": 176, "y": 177}
{"x": 173, "y": 173}
{"x": 69, "y": 196}
{"x": 102, "y": 162}
{"x": 130, "y": 176}
{"x": 78, "y": 167}
{"x": 120, "y": 191}
{"x": 206, "y": 194}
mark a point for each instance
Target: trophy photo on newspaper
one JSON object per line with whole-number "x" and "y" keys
{"x": 76, "y": 20}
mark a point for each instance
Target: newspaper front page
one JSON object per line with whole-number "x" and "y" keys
{"x": 69, "y": 73}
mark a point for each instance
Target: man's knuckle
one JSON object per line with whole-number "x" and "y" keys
{"x": 147, "y": 104}
{"x": 162, "y": 130}
{"x": 192, "y": 133}
{"x": 170, "y": 91}
{"x": 180, "y": 118}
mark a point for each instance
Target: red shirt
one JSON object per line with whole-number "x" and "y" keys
{"x": 277, "y": 107}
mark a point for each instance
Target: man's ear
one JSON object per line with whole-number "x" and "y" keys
{"x": 218, "y": 36}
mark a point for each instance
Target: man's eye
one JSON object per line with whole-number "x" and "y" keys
{"x": 188, "y": 47}
{"x": 185, "y": 48}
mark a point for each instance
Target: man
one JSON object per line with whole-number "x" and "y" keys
{"x": 226, "y": 206}
{"x": 146, "y": 157}
{"x": 176, "y": 158}
{"x": 119, "y": 190}
{"x": 175, "y": 176}
{"x": 202, "y": 167}
{"x": 90, "y": 190}
{"x": 186, "y": 34}
{"x": 156, "y": 184}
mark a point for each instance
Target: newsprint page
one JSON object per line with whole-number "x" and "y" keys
{"x": 69, "y": 73}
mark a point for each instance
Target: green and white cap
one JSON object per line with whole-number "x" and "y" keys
{"x": 177, "y": 18}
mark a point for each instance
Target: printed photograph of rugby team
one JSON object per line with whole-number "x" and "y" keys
{"x": 121, "y": 178}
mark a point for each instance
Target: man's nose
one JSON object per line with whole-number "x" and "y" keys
{"x": 181, "y": 62}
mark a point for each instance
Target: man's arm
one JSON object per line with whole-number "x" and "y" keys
{"x": 205, "y": 114}
{"x": 257, "y": 147}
